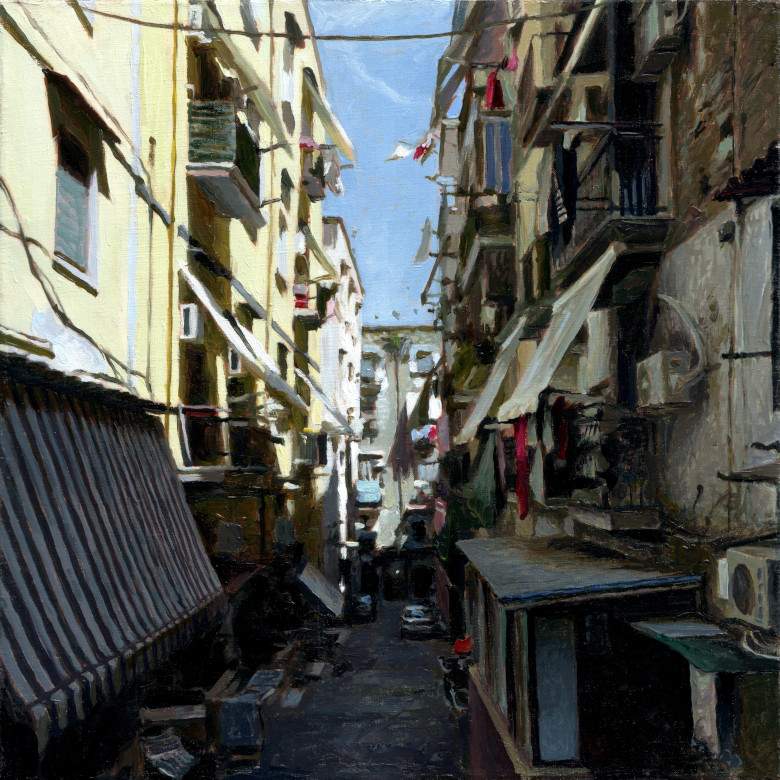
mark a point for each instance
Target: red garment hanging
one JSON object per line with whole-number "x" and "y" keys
{"x": 523, "y": 480}
{"x": 421, "y": 150}
{"x": 494, "y": 95}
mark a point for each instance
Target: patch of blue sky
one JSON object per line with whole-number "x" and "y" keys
{"x": 383, "y": 94}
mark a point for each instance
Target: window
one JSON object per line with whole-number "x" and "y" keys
{"x": 281, "y": 359}
{"x": 281, "y": 249}
{"x": 329, "y": 231}
{"x": 498, "y": 155}
{"x": 556, "y": 689}
{"x": 234, "y": 362}
{"x": 191, "y": 323}
{"x": 75, "y": 236}
{"x": 288, "y": 85}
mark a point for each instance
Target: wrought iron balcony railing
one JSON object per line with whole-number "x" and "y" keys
{"x": 617, "y": 191}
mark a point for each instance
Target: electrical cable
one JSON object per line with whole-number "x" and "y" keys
{"x": 51, "y": 295}
{"x": 335, "y": 36}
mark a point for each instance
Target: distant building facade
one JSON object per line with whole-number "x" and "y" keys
{"x": 396, "y": 361}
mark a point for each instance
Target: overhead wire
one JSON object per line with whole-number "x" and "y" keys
{"x": 51, "y": 294}
{"x": 333, "y": 36}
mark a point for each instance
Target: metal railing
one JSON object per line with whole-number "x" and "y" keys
{"x": 218, "y": 137}
{"x": 618, "y": 181}
{"x": 212, "y": 131}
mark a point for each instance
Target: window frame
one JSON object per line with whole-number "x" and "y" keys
{"x": 235, "y": 365}
{"x": 196, "y": 330}
{"x": 82, "y": 270}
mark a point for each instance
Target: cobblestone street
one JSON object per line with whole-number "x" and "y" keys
{"x": 380, "y": 714}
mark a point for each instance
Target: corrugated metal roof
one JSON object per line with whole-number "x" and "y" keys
{"x": 523, "y": 574}
{"x": 102, "y": 570}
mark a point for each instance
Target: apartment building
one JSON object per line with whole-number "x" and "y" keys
{"x": 604, "y": 288}
{"x": 163, "y": 290}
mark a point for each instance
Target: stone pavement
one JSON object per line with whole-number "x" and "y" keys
{"x": 379, "y": 714}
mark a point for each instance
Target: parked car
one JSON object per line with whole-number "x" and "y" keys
{"x": 361, "y": 609}
{"x": 420, "y": 621}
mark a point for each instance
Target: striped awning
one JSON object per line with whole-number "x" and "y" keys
{"x": 102, "y": 571}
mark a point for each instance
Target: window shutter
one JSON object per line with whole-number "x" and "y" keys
{"x": 498, "y": 156}
{"x": 490, "y": 156}
{"x": 70, "y": 239}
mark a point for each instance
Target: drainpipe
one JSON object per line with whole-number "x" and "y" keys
{"x": 273, "y": 212}
{"x": 171, "y": 226}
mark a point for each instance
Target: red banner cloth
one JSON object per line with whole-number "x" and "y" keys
{"x": 523, "y": 483}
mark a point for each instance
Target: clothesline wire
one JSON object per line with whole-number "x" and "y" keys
{"x": 327, "y": 37}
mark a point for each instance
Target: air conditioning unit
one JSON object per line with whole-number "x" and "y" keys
{"x": 661, "y": 379}
{"x": 754, "y": 585}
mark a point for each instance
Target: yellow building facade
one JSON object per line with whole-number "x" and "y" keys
{"x": 163, "y": 168}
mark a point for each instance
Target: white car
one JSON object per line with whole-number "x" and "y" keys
{"x": 420, "y": 621}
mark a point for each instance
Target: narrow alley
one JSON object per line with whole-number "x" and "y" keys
{"x": 389, "y": 389}
{"x": 379, "y": 711}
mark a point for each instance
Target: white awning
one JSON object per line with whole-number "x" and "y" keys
{"x": 321, "y": 595}
{"x": 329, "y": 120}
{"x": 337, "y": 416}
{"x": 506, "y": 354}
{"x": 480, "y": 243}
{"x": 252, "y": 352}
{"x": 317, "y": 251}
{"x": 446, "y": 95}
{"x": 569, "y": 314}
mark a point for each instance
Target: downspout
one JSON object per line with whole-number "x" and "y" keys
{"x": 273, "y": 210}
{"x": 171, "y": 227}
{"x": 733, "y": 280}
{"x": 397, "y": 362}
{"x": 133, "y": 248}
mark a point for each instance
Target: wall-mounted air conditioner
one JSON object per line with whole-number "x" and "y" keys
{"x": 663, "y": 379}
{"x": 191, "y": 322}
{"x": 754, "y": 585}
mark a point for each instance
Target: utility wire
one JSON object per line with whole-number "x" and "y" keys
{"x": 331, "y": 37}
{"x": 50, "y": 292}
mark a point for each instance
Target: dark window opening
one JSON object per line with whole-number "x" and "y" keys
{"x": 209, "y": 81}
{"x": 247, "y": 157}
{"x": 633, "y": 342}
{"x": 281, "y": 358}
{"x": 73, "y": 158}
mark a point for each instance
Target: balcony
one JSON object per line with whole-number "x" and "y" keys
{"x": 223, "y": 160}
{"x": 600, "y": 464}
{"x": 657, "y": 38}
{"x": 537, "y": 81}
{"x": 310, "y": 316}
{"x": 617, "y": 199}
